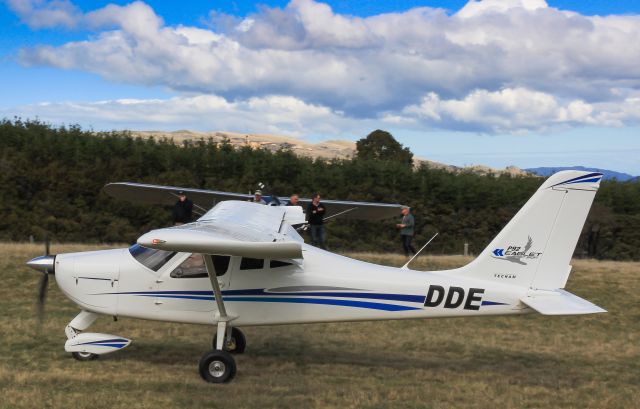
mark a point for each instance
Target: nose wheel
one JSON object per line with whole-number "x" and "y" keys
{"x": 235, "y": 342}
{"x": 84, "y": 356}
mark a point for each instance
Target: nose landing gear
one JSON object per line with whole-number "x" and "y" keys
{"x": 87, "y": 346}
{"x": 84, "y": 356}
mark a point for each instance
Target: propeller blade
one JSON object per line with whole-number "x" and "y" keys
{"x": 42, "y": 295}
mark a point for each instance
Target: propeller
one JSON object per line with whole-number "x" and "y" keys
{"x": 45, "y": 265}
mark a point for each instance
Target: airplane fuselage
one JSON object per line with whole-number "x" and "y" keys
{"x": 322, "y": 287}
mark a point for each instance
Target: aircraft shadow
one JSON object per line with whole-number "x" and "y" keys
{"x": 525, "y": 367}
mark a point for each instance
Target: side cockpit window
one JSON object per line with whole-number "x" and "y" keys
{"x": 151, "y": 258}
{"x": 194, "y": 267}
{"x": 221, "y": 264}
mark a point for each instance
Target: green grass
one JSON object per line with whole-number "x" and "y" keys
{"x": 500, "y": 362}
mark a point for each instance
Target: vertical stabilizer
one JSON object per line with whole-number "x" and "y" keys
{"x": 535, "y": 248}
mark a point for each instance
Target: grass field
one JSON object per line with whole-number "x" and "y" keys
{"x": 502, "y": 362}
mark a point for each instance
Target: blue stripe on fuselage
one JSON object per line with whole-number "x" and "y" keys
{"x": 326, "y": 301}
{"x": 257, "y": 295}
{"x": 208, "y": 295}
{"x": 323, "y": 301}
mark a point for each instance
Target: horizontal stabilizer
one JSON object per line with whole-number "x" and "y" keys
{"x": 197, "y": 241}
{"x": 560, "y": 302}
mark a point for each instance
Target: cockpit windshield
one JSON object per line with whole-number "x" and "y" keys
{"x": 151, "y": 258}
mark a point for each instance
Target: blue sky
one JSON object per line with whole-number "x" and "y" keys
{"x": 532, "y": 84}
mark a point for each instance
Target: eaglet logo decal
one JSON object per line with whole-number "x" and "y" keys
{"x": 517, "y": 254}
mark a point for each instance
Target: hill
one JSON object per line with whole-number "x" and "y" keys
{"x": 607, "y": 174}
{"x": 331, "y": 149}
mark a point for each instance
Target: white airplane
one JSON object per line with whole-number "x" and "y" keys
{"x": 244, "y": 264}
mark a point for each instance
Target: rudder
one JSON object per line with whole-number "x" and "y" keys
{"x": 535, "y": 248}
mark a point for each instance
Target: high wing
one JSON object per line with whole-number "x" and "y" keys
{"x": 205, "y": 199}
{"x": 236, "y": 228}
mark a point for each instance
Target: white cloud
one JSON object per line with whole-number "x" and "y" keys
{"x": 476, "y": 8}
{"x": 517, "y": 110}
{"x": 511, "y": 110}
{"x": 496, "y": 65}
{"x": 271, "y": 114}
{"x": 46, "y": 14}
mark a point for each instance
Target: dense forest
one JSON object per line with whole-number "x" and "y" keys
{"x": 52, "y": 179}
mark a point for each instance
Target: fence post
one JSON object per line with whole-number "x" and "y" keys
{"x": 466, "y": 249}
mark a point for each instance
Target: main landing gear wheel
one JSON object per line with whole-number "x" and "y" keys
{"x": 236, "y": 344}
{"x": 217, "y": 367}
{"x": 84, "y": 356}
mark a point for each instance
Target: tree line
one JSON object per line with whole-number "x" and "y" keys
{"x": 52, "y": 179}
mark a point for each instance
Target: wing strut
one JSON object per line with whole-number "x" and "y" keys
{"x": 217, "y": 293}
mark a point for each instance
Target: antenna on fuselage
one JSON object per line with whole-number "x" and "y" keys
{"x": 405, "y": 267}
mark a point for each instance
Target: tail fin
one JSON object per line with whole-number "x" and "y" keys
{"x": 535, "y": 248}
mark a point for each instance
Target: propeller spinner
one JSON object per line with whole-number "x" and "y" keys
{"x": 46, "y": 265}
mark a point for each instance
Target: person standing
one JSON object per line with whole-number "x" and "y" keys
{"x": 257, "y": 198}
{"x": 182, "y": 210}
{"x": 294, "y": 200}
{"x": 406, "y": 227}
{"x": 315, "y": 217}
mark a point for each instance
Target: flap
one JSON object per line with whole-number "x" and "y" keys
{"x": 560, "y": 302}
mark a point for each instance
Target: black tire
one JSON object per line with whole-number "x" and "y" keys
{"x": 237, "y": 344}
{"x": 84, "y": 356}
{"x": 217, "y": 367}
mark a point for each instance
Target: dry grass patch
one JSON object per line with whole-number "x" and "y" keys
{"x": 506, "y": 362}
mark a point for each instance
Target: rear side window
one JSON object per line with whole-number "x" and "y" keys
{"x": 151, "y": 258}
{"x": 251, "y": 263}
{"x": 278, "y": 263}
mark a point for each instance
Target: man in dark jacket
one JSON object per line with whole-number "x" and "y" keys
{"x": 406, "y": 227}
{"x": 315, "y": 217}
{"x": 182, "y": 210}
